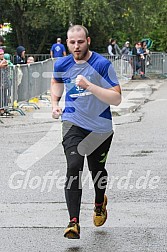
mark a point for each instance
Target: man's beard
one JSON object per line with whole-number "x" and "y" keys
{"x": 82, "y": 55}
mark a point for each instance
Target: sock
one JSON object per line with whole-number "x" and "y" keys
{"x": 74, "y": 220}
{"x": 98, "y": 205}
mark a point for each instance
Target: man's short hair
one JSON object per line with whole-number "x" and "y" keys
{"x": 78, "y": 28}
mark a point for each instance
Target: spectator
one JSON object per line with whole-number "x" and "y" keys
{"x": 4, "y": 82}
{"x": 7, "y": 58}
{"x": 9, "y": 73}
{"x": 136, "y": 59}
{"x": 113, "y": 49}
{"x": 126, "y": 50}
{"x": 139, "y": 48}
{"x": 146, "y": 52}
{"x": 20, "y": 57}
{"x": 57, "y": 49}
{"x": 142, "y": 51}
{"x": 126, "y": 56}
{"x": 30, "y": 60}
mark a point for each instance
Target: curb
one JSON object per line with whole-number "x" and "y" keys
{"x": 135, "y": 93}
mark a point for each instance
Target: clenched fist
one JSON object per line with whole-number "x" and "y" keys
{"x": 56, "y": 112}
{"x": 82, "y": 82}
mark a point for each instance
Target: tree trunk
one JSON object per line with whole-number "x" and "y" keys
{"x": 42, "y": 44}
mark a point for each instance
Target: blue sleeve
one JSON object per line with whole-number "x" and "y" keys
{"x": 109, "y": 78}
{"x": 57, "y": 72}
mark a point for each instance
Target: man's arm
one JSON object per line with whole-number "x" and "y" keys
{"x": 64, "y": 51}
{"x": 111, "y": 96}
{"x": 51, "y": 54}
{"x": 56, "y": 94}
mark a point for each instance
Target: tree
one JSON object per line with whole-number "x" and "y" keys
{"x": 31, "y": 21}
{"x": 37, "y": 23}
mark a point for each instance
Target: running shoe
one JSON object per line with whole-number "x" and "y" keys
{"x": 72, "y": 231}
{"x": 100, "y": 213}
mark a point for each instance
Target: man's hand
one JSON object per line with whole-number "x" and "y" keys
{"x": 56, "y": 112}
{"x": 82, "y": 82}
{"x": 3, "y": 63}
{"x": 111, "y": 96}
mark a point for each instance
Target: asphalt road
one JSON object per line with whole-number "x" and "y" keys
{"x": 33, "y": 212}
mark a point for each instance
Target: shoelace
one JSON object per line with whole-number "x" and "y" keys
{"x": 98, "y": 211}
{"x": 71, "y": 224}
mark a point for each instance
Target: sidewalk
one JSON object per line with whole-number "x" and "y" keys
{"x": 135, "y": 94}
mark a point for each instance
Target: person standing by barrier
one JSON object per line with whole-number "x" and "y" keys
{"x": 3, "y": 64}
{"x": 4, "y": 82}
{"x": 113, "y": 49}
{"x": 57, "y": 49}
{"x": 91, "y": 86}
{"x": 20, "y": 56}
{"x": 126, "y": 56}
{"x": 7, "y": 58}
{"x": 136, "y": 59}
{"x": 144, "y": 58}
{"x": 30, "y": 59}
{"x": 126, "y": 51}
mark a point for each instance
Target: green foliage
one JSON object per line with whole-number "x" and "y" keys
{"x": 37, "y": 23}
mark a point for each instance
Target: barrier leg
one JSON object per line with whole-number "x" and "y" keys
{"x": 30, "y": 104}
{"x": 18, "y": 110}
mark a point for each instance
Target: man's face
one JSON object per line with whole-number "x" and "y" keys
{"x": 23, "y": 54}
{"x": 78, "y": 44}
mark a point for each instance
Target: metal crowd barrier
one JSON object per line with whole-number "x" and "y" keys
{"x": 33, "y": 80}
{"x": 165, "y": 65}
{"x": 122, "y": 64}
{"x": 37, "y": 57}
{"x": 6, "y": 83}
{"x": 7, "y": 91}
{"x": 127, "y": 66}
{"x": 155, "y": 66}
{"x": 22, "y": 82}
{"x": 158, "y": 64}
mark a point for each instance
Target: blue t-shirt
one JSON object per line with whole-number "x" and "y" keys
{"x": 58, "y": 50}
{"x": 81, "y": 106}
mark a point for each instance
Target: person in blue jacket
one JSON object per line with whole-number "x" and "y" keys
{"x": 57, "y": 49}
{"x": 20, "y": 55}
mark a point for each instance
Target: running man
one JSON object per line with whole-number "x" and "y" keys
{"x": 91, "y": 86}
